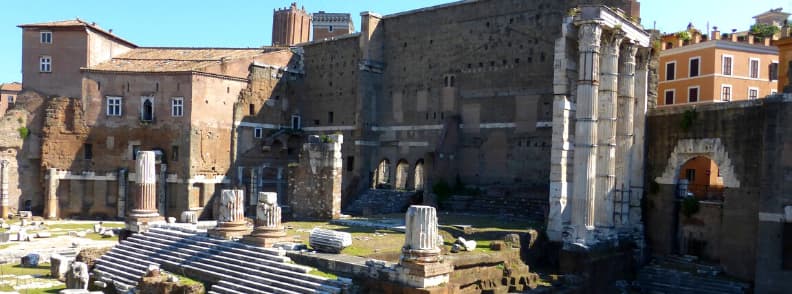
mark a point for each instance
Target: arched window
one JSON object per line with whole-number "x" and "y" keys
{"x": 402, "y": 172}
{"x": 419, "y": 176}
{"x": 382, "y": 175}
{"x": 147, "y": 109}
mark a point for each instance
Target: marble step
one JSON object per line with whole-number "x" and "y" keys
{"x": 226, "y": 287}
{"x": 216, "y": 248}
{"x": 282, "y": 268}
{"x": 205, "y": 242}
{"x": 215, "y": 267}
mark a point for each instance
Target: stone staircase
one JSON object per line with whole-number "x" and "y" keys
{"x": 658, "y": 279}
{"x": 380, "y": 201}
{"x": 230, "y": 266}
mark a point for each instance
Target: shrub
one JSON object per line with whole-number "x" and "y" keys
{"x": 690, "y": 206}
{"x": 23, "y": 132}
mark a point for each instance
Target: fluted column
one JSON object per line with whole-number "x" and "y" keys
{"x": 624, "y": 131}
{"x": 146, "y": 182}
{"x": 4, "y": 171}
{"x": 51, "y": 205}
{"x": 585, "y": 159}
{"x": 606, "y": 128}
{"x": 268, "y": 228}
{"x": 421, "y": 238}
{"x": 231, "y": 215}
{"x": 643, "y": 58}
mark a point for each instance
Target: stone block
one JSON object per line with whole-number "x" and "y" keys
{"x": 59, "y": 264}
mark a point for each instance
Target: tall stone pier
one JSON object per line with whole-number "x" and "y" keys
{"x": 268, "y": 229}
{"x": 4, "y": 186}
{"x": 315, "y": 183}
{"x": 591, "y": 199}
{"x": 145, "y": 210}
{"x": 231, "y": 215}
{"x": 421, "y": 264}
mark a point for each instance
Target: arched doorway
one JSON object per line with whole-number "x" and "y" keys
{"x": 382, "y": 175}
{"x": 419, "y": 175}
{"x": 700, "y": 177}
{"x": 402, "y": 172}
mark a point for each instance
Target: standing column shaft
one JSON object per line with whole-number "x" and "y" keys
{"x": 4, "y": 171}
{"x": 52, "y": 194}
{"x": 232, "y": 207}
{"x": 585, "y": 159}
{"x": 624, "y": 131}
{"x": 268, "y": 213}
{"x": 606, "y": 128}
{"x": 146, "y": 181}
{"x": 639, "y": 127}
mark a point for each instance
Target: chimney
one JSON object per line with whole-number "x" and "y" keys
{"x": 716, "y": 34}
{"x": 696, "y": 38}
{"x": 767, "y": 41}
{"x": 750, "y": 39}
{"x": 733, "y": 35}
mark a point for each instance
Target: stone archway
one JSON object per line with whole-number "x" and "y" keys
{"x": 688, "y": 149}
{"x": 402, "y": 173}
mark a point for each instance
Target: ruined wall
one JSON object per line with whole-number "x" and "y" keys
{"x": 315, "y": 182}
{"x": 737, "y": 126}
{"x": 773, "y": 239}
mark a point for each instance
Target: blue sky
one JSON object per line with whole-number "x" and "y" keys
{"x": 248, "y": 23}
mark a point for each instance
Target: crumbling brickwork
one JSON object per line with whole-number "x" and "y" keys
{"x": 315, "y": 182}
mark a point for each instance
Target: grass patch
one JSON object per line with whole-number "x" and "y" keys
{"x": 187, "y": 281}
{"x": 322, "y": 274}
{"x": 43, "y": 269}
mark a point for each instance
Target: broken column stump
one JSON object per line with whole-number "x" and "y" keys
{"x": 268, "y": 229}
{"x": 421, "y": 264}
{"x": 231, "y": 216}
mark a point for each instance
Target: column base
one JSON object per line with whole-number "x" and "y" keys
{"x": 230, "y": 231}
{"x": 265, "y": 237}
{"x": 420, "y": 256}
{"x": 139, "y": 213}
{"x": 140, "y": 224}
{"x": 423, "y": 275}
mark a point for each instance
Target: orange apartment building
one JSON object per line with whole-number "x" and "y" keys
{"x": 328, "y": 25}
{"x": 9, "y": 94}
{"x": 696, "y": 68}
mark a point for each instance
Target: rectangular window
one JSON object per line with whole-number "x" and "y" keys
{"x": 174, "y": 153}
{"x": 773, "y": 92}
{"x": 690, "y": 175}
{"x": 257, "y": 133}
{"x": 252, "y": 109}
{"x": 11, "y": 100}
{"x": 693, "y": 94}
{"x": 87, "y": 151}
{"x": 753, "y": 68}
{"x": 45, "y": 64}
{"x": 773, "y": 71}
{"x": 113, "y": 106}
{"x": 177, "y": 106}
{"x": 46, "y": 37}
{"x": 753, "y": 93}
{"x": 295, "y": 122}
{"x": 350, "y": 163}
{"x": 330, "y": 117}
{"x": 726, "y": 93}
{"x": 727, "y": 65}
{"x": 135, "y": 150}
{"x": 669, "y": 97}
{"x": 670, "y": 71}
{"x": 694, "y": 66}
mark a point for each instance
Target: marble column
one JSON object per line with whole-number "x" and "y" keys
{"x": 4, "y": 186}
{"x": 146, "y": 182}
{"x": 51, "y": 205}
{"x": 231, "y": 215}
{"x": 606, "y": 129}
{"x": 268, "y": 228}
{"x": 638, "y": 151}
{"x": 421, "y": 237}
{"x": 625, "y": 132}
{"x": 585, "y": 159}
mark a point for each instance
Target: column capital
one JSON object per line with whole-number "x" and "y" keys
{"x": 612, "y": 39}
{"x": 642, "y": 58}
{"x": 589, "y": 36}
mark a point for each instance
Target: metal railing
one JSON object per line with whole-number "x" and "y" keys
{"x": 701, "y": 192}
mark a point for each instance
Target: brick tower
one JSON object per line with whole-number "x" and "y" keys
{"x": 328, "y": 25}
{"x": 290, "y": 26}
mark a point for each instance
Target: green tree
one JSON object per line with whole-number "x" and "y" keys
{"x": 764, "y": 30}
